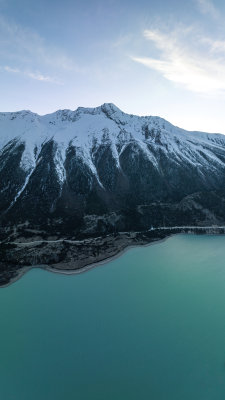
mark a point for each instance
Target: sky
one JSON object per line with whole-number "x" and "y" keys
{"x": 164, "y": 57}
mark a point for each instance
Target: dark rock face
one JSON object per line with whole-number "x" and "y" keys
{"x": 97, "y": 171}
{"x": 11, "y": 175}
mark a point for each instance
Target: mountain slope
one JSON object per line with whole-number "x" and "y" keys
{"x": 98, "y": 170}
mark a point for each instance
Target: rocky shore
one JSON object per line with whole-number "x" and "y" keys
{"x": 73, "y": 256}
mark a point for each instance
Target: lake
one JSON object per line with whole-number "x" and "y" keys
{"x": 148, "y": 325}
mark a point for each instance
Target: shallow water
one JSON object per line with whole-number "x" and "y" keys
{"x": 148, "y": 325}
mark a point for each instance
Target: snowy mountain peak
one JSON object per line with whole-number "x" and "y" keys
{"x": 110, "y": 108}
{"x": 101, "y": 160}
{"x": 88, "y": 129}
{"x": 18, "y": 114}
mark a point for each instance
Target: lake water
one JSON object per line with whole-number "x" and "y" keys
{"x": 148, "y": 325}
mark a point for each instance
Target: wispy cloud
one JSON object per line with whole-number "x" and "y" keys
{"x": 10, "y": 69}
{"x": 33, "y": 75}
{"x": 207, "y": 7}
{"x": 199, "y": 68}
{"x": 122, "y": 40}
{"x": 26, "y": 48}
{"x": 43, "y": 78}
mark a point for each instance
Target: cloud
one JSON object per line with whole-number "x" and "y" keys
{"x": 122, "y": 40}
{"x": 33, "y": 75}
{"x": 214, "y": 46}
{"x": 10, "y": 69}
{"x": 43, "y": 78}
{"x": 197, "y": 68}
{"x": 207, "y": 7}
{"x": 26, "y": 47}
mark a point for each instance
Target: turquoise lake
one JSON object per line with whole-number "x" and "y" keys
{"x": 148, "y": 325}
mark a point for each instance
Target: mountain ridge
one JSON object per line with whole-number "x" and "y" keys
{"x": 93, "y": 172}
{"x": 104, "y": 107}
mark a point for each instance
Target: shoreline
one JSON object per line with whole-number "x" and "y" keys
{"x": 23, "y": 270}
{"x": 105, "y": 261}
{"x": 89, "y": 266}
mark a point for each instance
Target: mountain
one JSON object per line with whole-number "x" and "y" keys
{"x": 94, "y": 172}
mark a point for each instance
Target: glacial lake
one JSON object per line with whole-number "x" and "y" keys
{"x": 148, "y": 325}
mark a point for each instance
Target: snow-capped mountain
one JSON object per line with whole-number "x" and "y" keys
{"x": 96, "y": 170}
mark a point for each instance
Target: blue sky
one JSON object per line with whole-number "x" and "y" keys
{"x": 164, "y": 57}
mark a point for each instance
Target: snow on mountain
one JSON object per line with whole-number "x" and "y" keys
{"x": 103, "y": 152}
{"x": 87, "y": 126}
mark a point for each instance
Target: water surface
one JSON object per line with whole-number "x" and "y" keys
{"x": 148, "y": 325}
